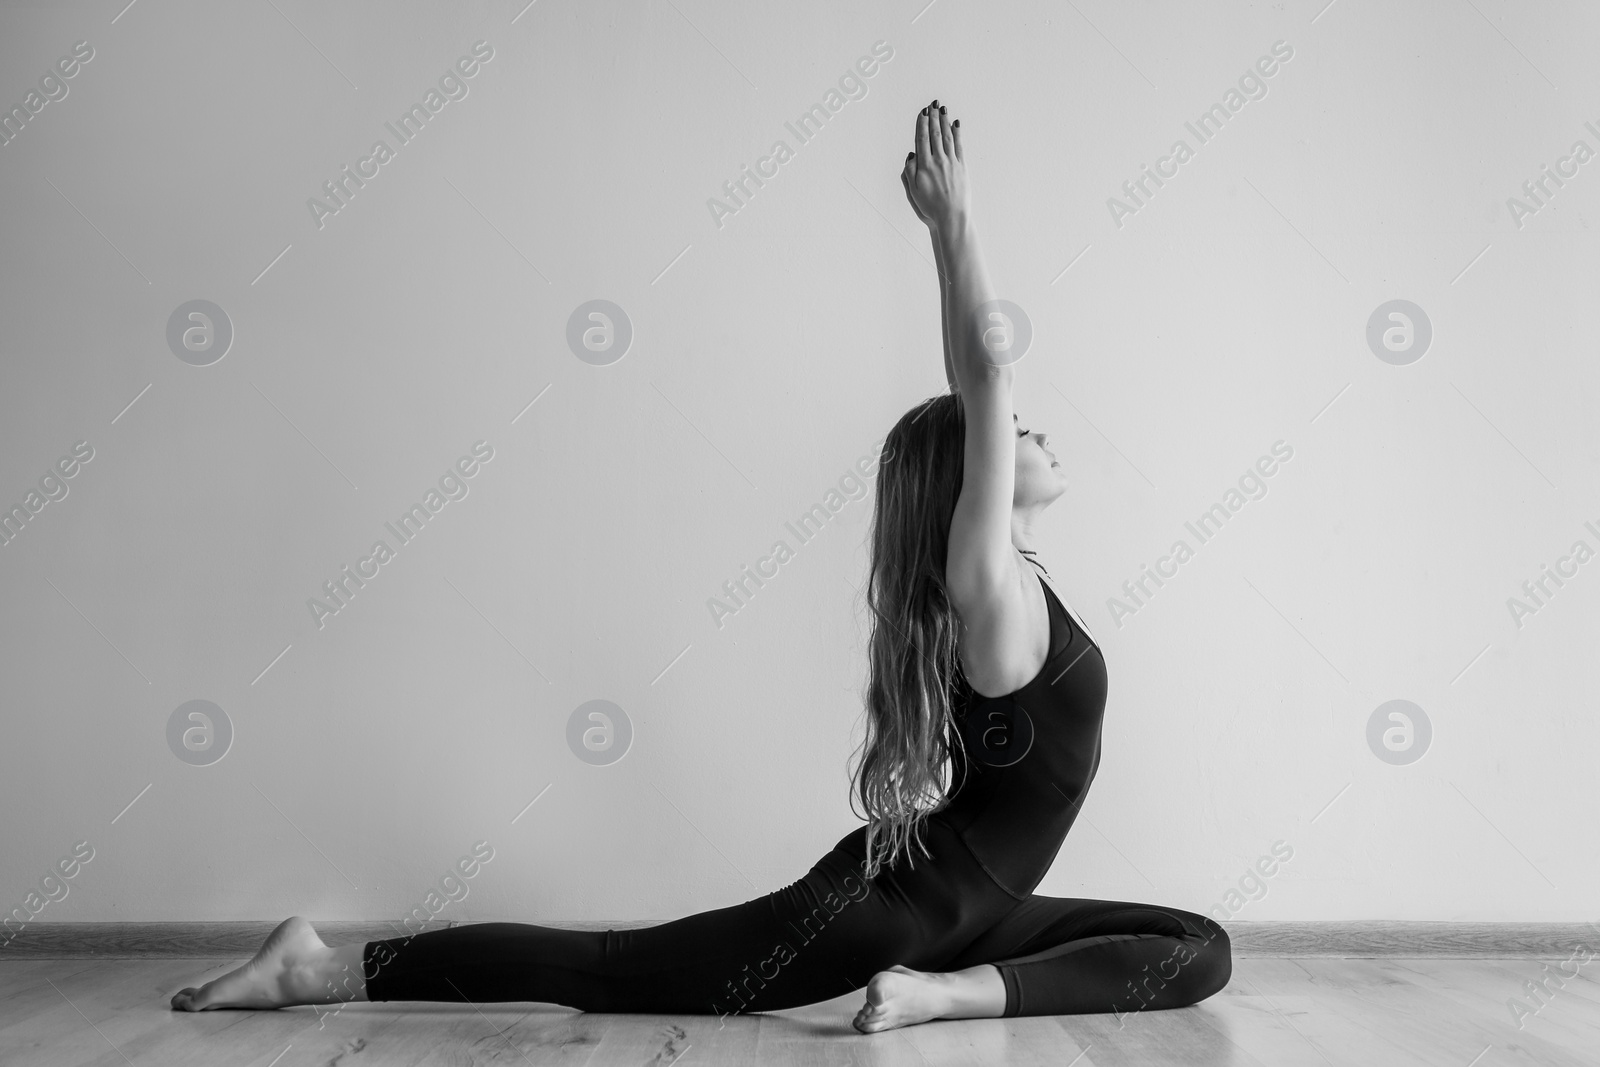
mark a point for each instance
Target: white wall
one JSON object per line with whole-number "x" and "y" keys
{"x": 1227, "y": 314}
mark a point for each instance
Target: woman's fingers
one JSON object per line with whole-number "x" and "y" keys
{"x": 935, "y": 136}
{"x": 955, "y": 139}
{"x": 922, "y": 135}
{"x": 945, "y": 140}
{"x": 911, "y": 196}
{"x": 908, "y": 176}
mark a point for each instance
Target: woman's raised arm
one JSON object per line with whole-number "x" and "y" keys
{"x": 981, "y": 572}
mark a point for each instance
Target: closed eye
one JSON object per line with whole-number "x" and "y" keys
{"x": 1021, "y": 432}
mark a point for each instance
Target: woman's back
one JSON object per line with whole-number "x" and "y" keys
{"x": 1024, "y": 761}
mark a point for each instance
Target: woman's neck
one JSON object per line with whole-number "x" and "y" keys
{"x": 1022, "y": 528}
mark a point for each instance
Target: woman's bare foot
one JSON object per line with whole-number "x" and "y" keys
{"x": 903, "y": 997}
{"x": 293, "y": 966}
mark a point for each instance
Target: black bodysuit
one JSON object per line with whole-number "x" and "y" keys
{"x": 1029, "y": 758}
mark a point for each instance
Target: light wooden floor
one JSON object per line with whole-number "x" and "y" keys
{"x": 1275, "y": 1013}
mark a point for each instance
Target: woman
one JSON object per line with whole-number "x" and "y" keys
{"x": 930, "y": 905}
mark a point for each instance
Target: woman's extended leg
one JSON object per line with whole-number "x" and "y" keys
{"x": 821, "y": 937}
{"x": 1062, "y": 956}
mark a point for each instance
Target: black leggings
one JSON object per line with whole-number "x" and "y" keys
{"x": 824, "y": 936}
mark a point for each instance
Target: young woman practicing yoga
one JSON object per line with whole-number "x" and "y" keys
{"x": 967, "y": 795}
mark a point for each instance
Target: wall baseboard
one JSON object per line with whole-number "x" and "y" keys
{"x": 1354, "y": 939}
{"x": 1423, "y": 940}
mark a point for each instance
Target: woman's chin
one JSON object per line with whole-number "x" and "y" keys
{"x": 1054, "y": 493}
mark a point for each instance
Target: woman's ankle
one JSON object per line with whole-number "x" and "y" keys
{"x": 335, "y": 976}
{"x": 975, "y": 993}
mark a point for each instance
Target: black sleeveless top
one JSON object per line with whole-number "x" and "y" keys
{"x": 1029, "y": 758}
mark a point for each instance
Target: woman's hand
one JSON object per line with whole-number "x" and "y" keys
{"x": 935, "y": 175}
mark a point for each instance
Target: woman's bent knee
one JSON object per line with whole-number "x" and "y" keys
{"x": 1208, "y": 966}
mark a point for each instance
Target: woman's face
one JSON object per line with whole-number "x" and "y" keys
{"x": 1040, "y": 478}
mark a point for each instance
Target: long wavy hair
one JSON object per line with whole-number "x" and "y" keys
{"x": 900, "y": 776}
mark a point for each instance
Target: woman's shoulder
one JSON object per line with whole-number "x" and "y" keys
{"x": 1005, "y": 634}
